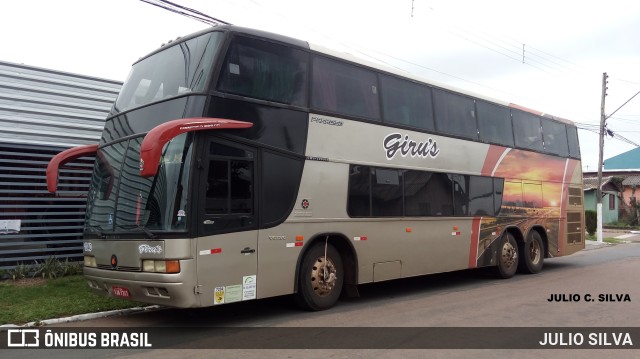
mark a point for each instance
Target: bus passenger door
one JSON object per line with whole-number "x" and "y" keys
{"x": 227, "y": 225}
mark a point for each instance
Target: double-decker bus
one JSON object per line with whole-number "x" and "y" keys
{"x": 238, "y": 164}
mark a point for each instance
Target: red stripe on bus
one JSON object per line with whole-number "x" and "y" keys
{"x": 475, "y": 238}
{"x": 491, "y": 161}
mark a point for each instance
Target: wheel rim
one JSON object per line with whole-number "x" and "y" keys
{"x": 509, "y": 255}
{"x": 323, "y": 276}
{"x": 535, "y": 252}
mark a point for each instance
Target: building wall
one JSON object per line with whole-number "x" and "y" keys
{"x": 43, "y": 112}
{"x": 608, "y": 215}
{"x": 627, "y": 160}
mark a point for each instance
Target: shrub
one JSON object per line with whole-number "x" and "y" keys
{"x": 591, "y": 221}
{"x": 70, "y": 268}
{"x": 21, "y": 271}
{"x": 50, "y": 268}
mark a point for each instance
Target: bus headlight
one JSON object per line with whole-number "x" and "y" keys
{"x": 161, "y": 266}
{"x": 90, "y": 261}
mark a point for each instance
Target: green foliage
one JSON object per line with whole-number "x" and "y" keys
{"x": 591, "y": 221}
{"x": 70, "y": 268}
{"x": 21, "y": 271}
{"x": 49, "y": 269}
{"x": 617, "y": 181}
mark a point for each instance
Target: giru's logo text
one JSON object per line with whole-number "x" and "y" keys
{"x": 395, "y": 143}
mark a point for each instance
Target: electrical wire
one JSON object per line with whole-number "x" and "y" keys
{"x": 186, "y": 11}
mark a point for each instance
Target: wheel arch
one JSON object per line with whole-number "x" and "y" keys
{"x": 343, "y": 246}
{"x": 516, "y": 233}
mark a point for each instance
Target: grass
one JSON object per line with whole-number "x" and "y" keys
{"x": 607, "y": 240}
{"x": 34, "y": 300}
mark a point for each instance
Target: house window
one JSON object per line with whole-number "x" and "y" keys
{"x": 612, "y": 202}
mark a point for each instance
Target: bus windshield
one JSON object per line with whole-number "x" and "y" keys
{"x": 120, "y": 200}
{"x": 178, "y": 69}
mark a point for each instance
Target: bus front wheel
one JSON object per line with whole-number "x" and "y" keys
{"x": 321, "y": 277}
{"x": 507, "y": 257}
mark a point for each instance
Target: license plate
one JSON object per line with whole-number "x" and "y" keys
{"x": 121, "y": 292}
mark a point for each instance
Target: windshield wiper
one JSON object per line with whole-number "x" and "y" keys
{"x": 148, "y": 234}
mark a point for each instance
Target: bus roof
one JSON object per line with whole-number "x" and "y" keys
{"x": 356, "y": 60}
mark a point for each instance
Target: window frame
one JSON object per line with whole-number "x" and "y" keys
{"x": 234, "y": 39}
{"x": 324, "y": 108}
{"x": 495, "y": 203}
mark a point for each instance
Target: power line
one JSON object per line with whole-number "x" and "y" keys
{"x": 186, "y": 11}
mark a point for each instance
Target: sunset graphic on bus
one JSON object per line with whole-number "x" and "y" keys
{"x": 536, "y": 196}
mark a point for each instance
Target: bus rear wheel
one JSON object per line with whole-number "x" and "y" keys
{"x": 507, "y": 257}
{"x": 532, "y": 254}
{"x": 321, "y": 277}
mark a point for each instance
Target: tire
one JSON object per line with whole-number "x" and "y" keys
{"x": 507, "y": 257}
{"x": 532, "y": 254}
{"x": 317, "y": 290}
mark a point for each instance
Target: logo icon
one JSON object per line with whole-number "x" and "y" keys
{"x": 305, "y": 203}
{"x": 395, "y": 143}
{"x": 23, "y": 338}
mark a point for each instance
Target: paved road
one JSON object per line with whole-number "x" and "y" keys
{"x": 465, "y": 299}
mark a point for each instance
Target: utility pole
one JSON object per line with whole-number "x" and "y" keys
{"x": 599, "y": 189}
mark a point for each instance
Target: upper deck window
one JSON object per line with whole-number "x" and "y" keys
{"x": 265, "y": 70}
{"x": 526, "y": 128}
{"x": 574, "y": 148}
{"x": 555, "y": 137}
{"x": 455, "y": 114}
{"x": 178, "y": 69}
{"x": 406, "y": 103}
{"x": 494, "y": 123}
{"x": 344, "y": 89}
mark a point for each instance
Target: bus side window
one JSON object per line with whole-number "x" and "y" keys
{"x": 572, "y": 137}
{"x": 217, "y": 187}
{"x": 555, "y": 137}
{"x": 526, "y": 128}
{"x": 406, "y": 103}
{"x": 386, "y": 193}
{"x": 359, "y": 201}
{"x": 498, "y": 189}
{"x": 481, "y": 192}
{"x": 494, "y": 123}
{"x": 344, "y": 89}
{"x": 265, "y": 70}
{"x": 415, "y": 191}
{"x": 455, "y": 114}
{"x": 461, "y": 189}
{"x": 440, "y": 194}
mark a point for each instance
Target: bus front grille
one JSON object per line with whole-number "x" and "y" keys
{"x": 119, "y": 268}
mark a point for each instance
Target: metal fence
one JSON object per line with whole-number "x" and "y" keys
{"x": 43, "y": 112}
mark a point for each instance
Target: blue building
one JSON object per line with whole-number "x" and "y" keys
{"x": 624, "y": 161}
{"x": 610, "y": 198}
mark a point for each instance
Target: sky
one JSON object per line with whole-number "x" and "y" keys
{"x": 476, "y": 46}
